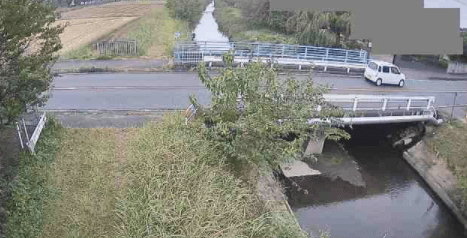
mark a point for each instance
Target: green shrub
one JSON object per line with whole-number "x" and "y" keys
{"x": 443, "y": 62}
{"x": 83, "y": 52}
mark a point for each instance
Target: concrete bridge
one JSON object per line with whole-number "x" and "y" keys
{"x": 279, "y": 54}
{"x": 369, "y": 109}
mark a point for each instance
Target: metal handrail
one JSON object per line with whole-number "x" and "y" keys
{"x": 268, "y": 50}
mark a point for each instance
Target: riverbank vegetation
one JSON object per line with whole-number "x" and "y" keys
{"x": 27, "y": 186}
{"x": 163, "y": 180}
{"x": 168, "y": 178}
{"x": 449, "y": 144}
{"x": 252, "y": 20}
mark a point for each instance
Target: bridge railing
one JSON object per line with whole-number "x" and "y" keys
{"x": 189, "y": 52}
{"x": 380, "y": 103}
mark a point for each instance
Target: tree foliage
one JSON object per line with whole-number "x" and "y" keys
{"x": 186, "y": 10}
{"x": 324, "y": 28}
{"x": 25, "y": 74}
{"x": 255, "y": 128}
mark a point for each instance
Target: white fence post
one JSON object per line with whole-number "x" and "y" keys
{"x": 408, "y": 104}
{"x": 19, "y": 135}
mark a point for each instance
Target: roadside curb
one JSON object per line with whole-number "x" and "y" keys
{"x": 87, "y": 70}
{"x": 95, "y": 70}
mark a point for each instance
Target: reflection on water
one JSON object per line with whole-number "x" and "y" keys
{"x": 207, "y": 30}
{"x": 395, "y": 200}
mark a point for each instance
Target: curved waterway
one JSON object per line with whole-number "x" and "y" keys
{"x": 368, "y": 190}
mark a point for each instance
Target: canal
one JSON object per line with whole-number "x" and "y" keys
{"x": 367, "y": 190}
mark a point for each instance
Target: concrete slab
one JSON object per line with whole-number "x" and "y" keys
{"x": 297, "y": 169}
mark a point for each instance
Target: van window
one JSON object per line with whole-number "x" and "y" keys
{"x": 385, "y": 69}
{"x": 373, "y": 66}
{"x": 394, "y": 70}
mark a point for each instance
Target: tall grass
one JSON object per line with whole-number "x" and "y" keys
{"x": 449, "y": 142}
{"x": 170, "y": 27}
{"x": 34, "y": 189}
{"x": 148, "y": 30}
{"x": 83, "y": 53}
{"x": 156, "y": 33}
{"x": 178, "y": 187}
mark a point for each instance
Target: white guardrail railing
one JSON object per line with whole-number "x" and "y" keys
{"x": 402, "y": 102}
{"x": 194, "y": 52}
{"x": 422, "y": 109}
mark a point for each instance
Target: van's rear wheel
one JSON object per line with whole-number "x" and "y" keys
{"x": 379, "y": 82}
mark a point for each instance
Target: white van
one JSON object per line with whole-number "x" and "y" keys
{"x": 384, "y": 73}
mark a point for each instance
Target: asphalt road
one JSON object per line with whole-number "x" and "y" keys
{"x": 157, "y": 91}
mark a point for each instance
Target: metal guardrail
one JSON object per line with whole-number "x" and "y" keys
{"x": 404, "y": 102}
{"x": 194, "y": 52}
{"x": 30, "y": 141}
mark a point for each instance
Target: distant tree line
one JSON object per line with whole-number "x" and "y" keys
{"x": 325, "y": 28}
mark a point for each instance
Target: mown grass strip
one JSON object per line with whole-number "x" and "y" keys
{"x": 86, "y": 176}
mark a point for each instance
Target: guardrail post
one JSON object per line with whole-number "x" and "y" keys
{"x": 453, "y": 105}
{"x": 355, "y": 104}
{"x": 408, "y": 104}
{"x": 306, "y": 52}
{"x": 25, "y": 130}
{"x": 430, "y": 101}
{"x": 385, "y": 103}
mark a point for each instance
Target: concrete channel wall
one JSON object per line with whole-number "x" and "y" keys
{"x": 437, "y": 175}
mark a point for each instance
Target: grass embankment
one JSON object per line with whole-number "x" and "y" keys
{"x": 154, "y": 33}
{"x": 163, "y": 180}
{"x": 449, "y": 143}
{"x": 232, "y": 23}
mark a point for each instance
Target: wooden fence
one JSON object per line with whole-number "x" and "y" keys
{"x": 117, "y": 47}
{"x": 457, "y": 68}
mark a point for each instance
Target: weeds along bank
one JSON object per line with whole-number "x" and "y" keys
{"x": 447, "y": 146}
{"x": 165, "y": 179}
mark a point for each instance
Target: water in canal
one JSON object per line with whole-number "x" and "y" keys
{"x": 208, "y": 30}
{"x": 373, "y": 193}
